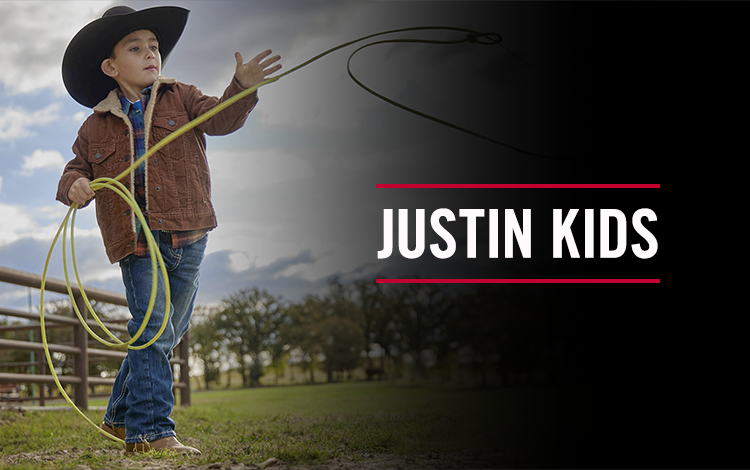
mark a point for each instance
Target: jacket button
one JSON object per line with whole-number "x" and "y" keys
{"x": 98, "y": 156}
{"x": 127, "y": 158}
{"x": 132, "y": 244}
{"x": 171, "y": 122}
{"x": 126, "y": 132}
{"x": 127, "y": 212}
{"x": 158, "y": 188}
{"x": 159, "y": 220}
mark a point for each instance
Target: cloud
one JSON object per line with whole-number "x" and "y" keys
{"x": 20, "y": 222}
{"x": 35, "y": 34}
{"x": 15, "y": 122}
{"x": 28, "y": 254}
{"x": 54, "y": 212}
{"x": 16, "y": 224}
{"x": 219, "y": 278}
{"x": 41, "y": 159}
{"x": 1, "y": 183}
{"x": 257, "y": 168}
{"x": 79, "y": 117}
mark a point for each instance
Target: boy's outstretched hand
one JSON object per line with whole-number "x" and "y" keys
{"x": 255, "y": 71}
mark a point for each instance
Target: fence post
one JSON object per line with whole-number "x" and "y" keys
{"x": 42, "y": 386}
{"x": 185, "y": 370}
{"x": 81, "y": 364}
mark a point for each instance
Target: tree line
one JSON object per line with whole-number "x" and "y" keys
{"x": 426, "y": 331}
{"x": 482, "y": 334}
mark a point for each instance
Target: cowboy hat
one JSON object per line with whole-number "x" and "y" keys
{"x": 81, "y": 65}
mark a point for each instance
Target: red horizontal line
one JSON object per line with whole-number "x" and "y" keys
{"x": 518, "y": 186}
{"x": 518, "y": 281}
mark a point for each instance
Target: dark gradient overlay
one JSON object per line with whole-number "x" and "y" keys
{"x": 607, "y": 88}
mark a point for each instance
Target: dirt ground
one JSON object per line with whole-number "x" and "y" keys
{"x": 107, "y": 459}
{"x": 117, "y": 459}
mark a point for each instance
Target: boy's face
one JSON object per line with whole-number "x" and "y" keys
{"x": 135, "y": 61}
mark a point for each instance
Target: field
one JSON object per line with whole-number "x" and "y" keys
{"x": 344, "y": 425}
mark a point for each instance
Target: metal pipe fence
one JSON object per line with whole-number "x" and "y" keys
{"x": 79, "y": 348}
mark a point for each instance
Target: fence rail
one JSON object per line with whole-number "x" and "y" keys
{"x": 80, "y": 348}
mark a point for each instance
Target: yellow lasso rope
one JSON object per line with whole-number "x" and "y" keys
{"x": 156, "y": 258}
{"x": 115, "y": 185}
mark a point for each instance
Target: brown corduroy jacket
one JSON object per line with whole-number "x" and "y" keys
{"x": 178, "y": 184}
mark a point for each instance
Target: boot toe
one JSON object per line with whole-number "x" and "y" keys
{"x": 164, "y": 444}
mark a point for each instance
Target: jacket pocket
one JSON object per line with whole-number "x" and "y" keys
{"x": 99, "y": 157}
{"x": 164, "y": 125}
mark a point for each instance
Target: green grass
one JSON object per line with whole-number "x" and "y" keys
{"x": 309, "y": 425}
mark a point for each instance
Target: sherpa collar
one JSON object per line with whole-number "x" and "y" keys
{"x": 111, "y": 104}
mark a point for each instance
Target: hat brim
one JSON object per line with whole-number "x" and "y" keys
{"x": 81, "y": 66}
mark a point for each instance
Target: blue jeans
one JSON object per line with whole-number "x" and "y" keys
{"x": 142, "y": 398}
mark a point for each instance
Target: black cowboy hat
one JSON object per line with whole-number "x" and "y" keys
{"x": 81, "y": 66}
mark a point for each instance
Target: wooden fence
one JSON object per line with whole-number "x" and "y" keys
{"x": 79, "y": 349}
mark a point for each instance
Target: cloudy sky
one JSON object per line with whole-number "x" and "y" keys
{"x": 294, "y": 190}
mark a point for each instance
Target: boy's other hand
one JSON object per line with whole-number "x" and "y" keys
{"x": 255, "y": 71}
{"x": 80, "y": 192}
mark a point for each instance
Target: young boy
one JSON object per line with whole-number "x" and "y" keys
{"x": 113, "y": 65}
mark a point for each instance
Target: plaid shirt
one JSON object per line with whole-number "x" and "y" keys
{"x": 176, "y": 239}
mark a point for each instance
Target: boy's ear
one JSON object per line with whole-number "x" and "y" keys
{"x": 108, "y": 68}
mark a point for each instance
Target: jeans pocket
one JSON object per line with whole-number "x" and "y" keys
{"x": 176, "y": 256}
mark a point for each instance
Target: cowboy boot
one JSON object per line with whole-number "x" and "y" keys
{"x": 117, "y": 432}
{"x": 164, "y": 444}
